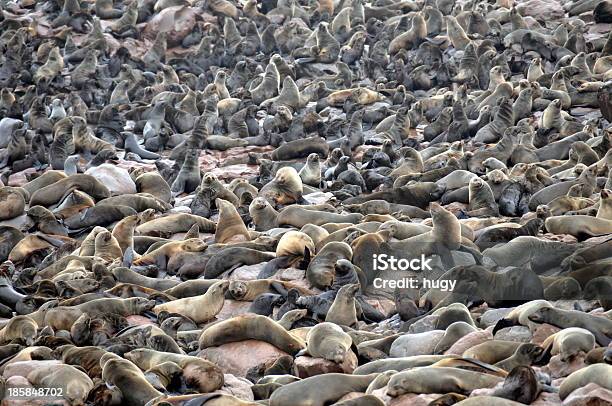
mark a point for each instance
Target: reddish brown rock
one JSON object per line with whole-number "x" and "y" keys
{"x": 566, "y": 238}
{"x": 233, "y": 308}
{"x": 237, "y": 358}
{"x": 547, "y": 399}
{"x": 238, "y": 387}
{"x": 384, "y": 306}
{"x": 590, "y": 395}
{"x": 559, "y": 369}
{"x": 351, "y": 395}
{"x": 307, "y": 366}
{"x": 542, "y": 332}
{"x": 411, "y": 399}
{"x": 137, "y": 320}
{"x": 470, "y": 340}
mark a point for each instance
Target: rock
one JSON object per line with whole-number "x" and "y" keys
{"x": 318, "y": 197}
{"x": 351, "y": 395}
{"x": 237, "y": 358}
{"x": 468, "y": 341}
{"x": 136, "y": 320}
{"x": 547, "y": 399}
{"x": 516, "y": 333}
{"x": 246, "y": 272}
{"x": 427, "y": 323}
{"x": 416, "y": 344}
{"x": 542, "y": 332}
{"x": 411, "y": 399}
{"x": 291, "y": 274}
{"x": 305, "y": 366}
{"x": 233, "y": 308}
{"x": 116, "y": 179}
{"x": 492, "y": 316}
{"x": 566, "y": 238}
{"x": 385, "y": 306}
{"x": 589, "y": 395}
{"x": 238, "y": 387}
{"x": 559, "y": 369}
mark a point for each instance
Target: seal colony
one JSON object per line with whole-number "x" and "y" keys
{"x": 192, "y": 194}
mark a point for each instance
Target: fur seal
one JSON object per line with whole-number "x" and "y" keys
{"x": 327, "y": 340}
{"x": 598, "y": 326}
{"x": 254, "y": 327}
{"x": 598, "y": 373}
{"x": 439, "y": 380}
{"x": 193, "y": 307}
{"x": 331, "y": 388}
{"x": 52, "y": 193}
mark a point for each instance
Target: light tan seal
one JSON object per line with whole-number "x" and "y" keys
{"x": 250, "y": 327}
{"x": 197, "y": 372}
{"x": 327, "y": 340}
{"x": 130, "y": 380}
{"x": 600, "y": 374}
{"x": 343, "y": 310}
{"x": 201, "y": 308}
{"x": 230, "y": 227}
{"x": 439, "y": 380}
{"x": 52, "y": 194}
{"x": 320, "y": 389}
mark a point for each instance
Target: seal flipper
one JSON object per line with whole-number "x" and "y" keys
{"x": 503, "y": 323}
{"x": 274, "y": 265}
{"x": 280, "y": 289}
{"x": 128, "y": 257}
{"x": 303, "y": 264}
{"x": 477, "y": 255}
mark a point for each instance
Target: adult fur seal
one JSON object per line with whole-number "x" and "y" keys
{"x": 328, "y": 341}
{"x": 199, "y": 308}
{"x": 439, "y": 380}
{"x": 600, "y": 327}
{"x": 129, "y": 379}
{"x": 331, "y": 387}
{"x": 600, "y": 374}
{"x": 253, "y": 327}
{"x": 51, "y": 194}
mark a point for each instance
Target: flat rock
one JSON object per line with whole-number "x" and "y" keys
{"x": 542, "y": 332}
{"x": 306, "y": 367}
{"x": 427, "y": 323}
{"x": 238, "y": 387}
{"x": 560, "y": 369}
{"x": 116, "y": 179}
{"x": 411, "y": 399}
{"x": 468, "y": 341}
{"x": 492, "y": 316}
{"x": 517, "y": 333}
{"x": 416, "y": 344}
{"x": 237, "y": 358}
